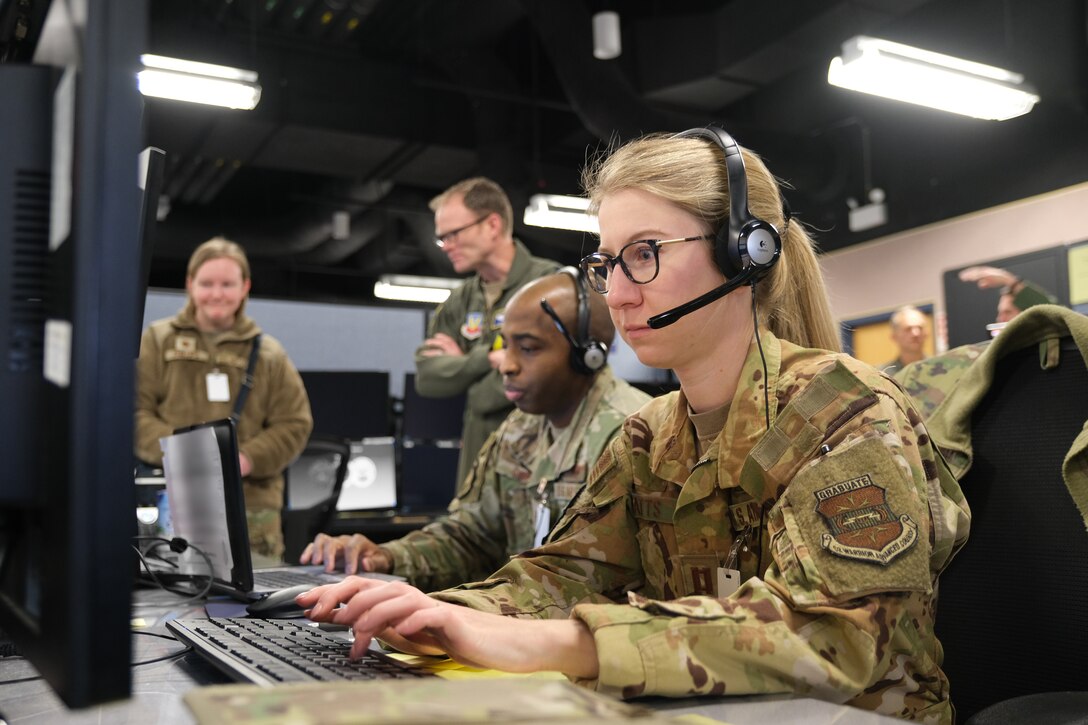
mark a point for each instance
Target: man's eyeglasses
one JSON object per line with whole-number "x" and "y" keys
{"x": 638, "y": 260}
{"x": 448, "y": 237}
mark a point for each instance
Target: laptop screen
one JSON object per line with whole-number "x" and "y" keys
{"x": 371, "y": 481}
{"x": 207, "y": 506}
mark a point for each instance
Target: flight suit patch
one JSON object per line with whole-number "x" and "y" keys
{"x": 472, "y": 329}
{"x": 861, "y": 522}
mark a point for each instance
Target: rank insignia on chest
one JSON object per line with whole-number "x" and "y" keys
{"x": 861, "y": 522}
{"x": 472, "y": 328}
{"x": 185, "y": 344}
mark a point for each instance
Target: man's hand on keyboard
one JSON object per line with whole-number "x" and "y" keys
{"x": 412, "y": 621}
{"x": 354, "y": 553}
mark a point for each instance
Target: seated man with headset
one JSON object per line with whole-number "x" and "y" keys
{"x": 569, "y": 405}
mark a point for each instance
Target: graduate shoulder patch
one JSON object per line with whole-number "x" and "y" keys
{"x": 855, "y": 523}
{"x": 861, "y": 522}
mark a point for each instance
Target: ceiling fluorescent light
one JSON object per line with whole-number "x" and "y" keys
{"x": 903, "y": 73}
{"x": 560, "y": 212}
{"x": 411, "y": 288}
{"x": 186, "y": 80}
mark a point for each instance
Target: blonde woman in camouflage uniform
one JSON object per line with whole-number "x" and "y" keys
{"x": 777, "y": 526}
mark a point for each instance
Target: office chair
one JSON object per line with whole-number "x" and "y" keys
{"x": 1012, "y": 609}
{"x": 313, "y": 483}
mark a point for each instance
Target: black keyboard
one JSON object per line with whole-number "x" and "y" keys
{"x": 270, "y": 651}
{"x": 284, "y": 578}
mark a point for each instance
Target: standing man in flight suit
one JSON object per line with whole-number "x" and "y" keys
{"x": 473, "y": 223}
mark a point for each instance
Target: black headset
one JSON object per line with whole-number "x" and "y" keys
{"x": 746, "y": 248}
{"x": 587, "y": 355}
{"x": 747, "y": 245}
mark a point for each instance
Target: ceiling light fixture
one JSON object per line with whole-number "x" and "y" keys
{"x": 186, "y": 80}
{"x": 412, "y": 288}
{"x": 560, "y": 212}
{"x": 903, "y": 73}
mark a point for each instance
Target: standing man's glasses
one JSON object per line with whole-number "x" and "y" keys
{"x": 448, "y": 237}
{"x": 638, "y": 260}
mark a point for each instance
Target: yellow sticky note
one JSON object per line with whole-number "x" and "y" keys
{"x": 1078, "y": 274}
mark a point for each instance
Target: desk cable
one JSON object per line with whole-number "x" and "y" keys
{"x": 177, "y": 545}
{"x": 173, "y": 655}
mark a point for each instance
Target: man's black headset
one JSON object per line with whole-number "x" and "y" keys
{"x": 587, "y": 355}
{"x": 746, "y": 248}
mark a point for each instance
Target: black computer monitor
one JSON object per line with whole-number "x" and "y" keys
{"x": 431, "y": 418}
{"x": 152, "y": 169}
{"x": 69, "y": 259}
{"x": 352, "y": 404}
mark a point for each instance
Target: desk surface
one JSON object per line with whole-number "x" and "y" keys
{"x": 158, "y": 688}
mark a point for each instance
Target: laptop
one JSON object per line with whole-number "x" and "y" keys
{"x": 207, "y": 509}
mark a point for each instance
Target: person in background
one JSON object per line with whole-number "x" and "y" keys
{"x": 931, "y": 380}
{"x": 473, "y": 223}
{"x": 192, "y": 368}
{"x": 537, "y": 460}
{"x": 909, "y": 335}
{"x": 776, "y": 526}
{"x": 1017, "y": 295}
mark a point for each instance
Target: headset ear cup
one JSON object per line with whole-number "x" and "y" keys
{"x": 594, "y": 356}
{"x": 727, "y": 255}
{"x": 760, "y": 246}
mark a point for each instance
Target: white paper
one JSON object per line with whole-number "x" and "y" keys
{"x": 193, "y": 470}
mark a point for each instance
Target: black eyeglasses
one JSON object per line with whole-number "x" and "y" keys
{"x": 446, "y": 237}
{"x": 638, "y": 260}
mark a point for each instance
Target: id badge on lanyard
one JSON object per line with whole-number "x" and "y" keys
{"x": 218, "y": 387}
{"x": 729, "y": 575}
{"x": 542, "y": 515}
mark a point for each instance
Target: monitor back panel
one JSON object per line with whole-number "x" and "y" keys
{"x": 349, "y": 404}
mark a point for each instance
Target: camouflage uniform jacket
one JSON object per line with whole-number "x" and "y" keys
{"x": 1044, "y": 326}
{"x": 466, "y": 318}
{"x": 494, "y": 514}
{"x": 928, "y": 382}
{"x": 172, "y": 392}
{"x": 842, "y": 516}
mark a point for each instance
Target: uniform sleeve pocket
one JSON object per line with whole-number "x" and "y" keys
{"x": 853, "y": 524}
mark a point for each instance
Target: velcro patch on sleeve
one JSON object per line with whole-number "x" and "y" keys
{"x": 860, "y": 521}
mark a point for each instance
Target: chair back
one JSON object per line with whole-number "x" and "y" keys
{"x": 1012, "y": 608}
{"x": 313, "y": 483}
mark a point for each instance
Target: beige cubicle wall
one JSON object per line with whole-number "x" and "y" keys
{"x": 905, "y": 268}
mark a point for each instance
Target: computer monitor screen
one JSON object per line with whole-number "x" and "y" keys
{"x": 431, "y": 418}
{"x": 69, "y": 258}
{"x": 352, "y": 404}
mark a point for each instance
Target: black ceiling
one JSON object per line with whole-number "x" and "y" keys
{"x": 372, "y": 106}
